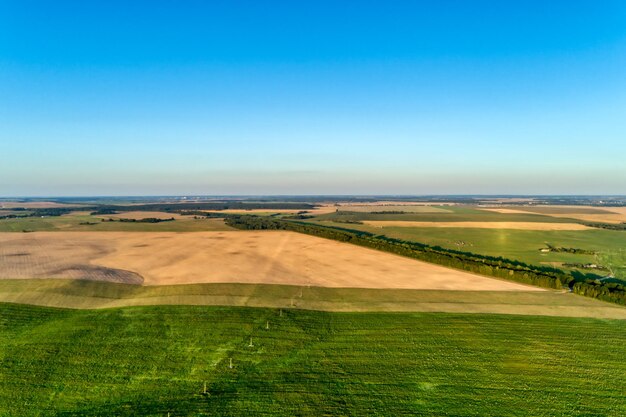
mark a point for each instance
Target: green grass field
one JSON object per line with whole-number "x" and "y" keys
{"x": 522, "y": 245}
{"x": 447, "y": 214}
{"x": 155, "y": 360}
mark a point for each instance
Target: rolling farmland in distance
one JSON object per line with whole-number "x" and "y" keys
{"x": 312, "y": 209}
{"x": 135, "y": 310}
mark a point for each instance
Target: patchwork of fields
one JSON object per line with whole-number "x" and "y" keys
{"x": 518, "y": 233}
{"x": 191, "y": 317}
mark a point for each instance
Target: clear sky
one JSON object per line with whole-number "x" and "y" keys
{"x": 319, "y": 97}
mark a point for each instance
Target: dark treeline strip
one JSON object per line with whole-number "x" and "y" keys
{"x": 56, "y": 211}
{"x": 146, "y": 220}
{"x": 571, "y": 250}
{"x": 606, "y": 291}
{"x": 198, "y": 213}
{"x": 586, "y": 266}
{"x": 14, "y": 216}
{"x": 169, "y": 208}
{"x": 608, "y": 226}
{"x": 543, "y": 276}
{"x": 348, "y": 221}
{"x": 40, "y": 212}
{"x": 104, "y": 210}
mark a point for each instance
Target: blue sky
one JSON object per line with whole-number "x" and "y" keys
{"x": 234, "y": 97}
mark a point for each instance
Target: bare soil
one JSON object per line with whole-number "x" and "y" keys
{"x": 258, "y": 257}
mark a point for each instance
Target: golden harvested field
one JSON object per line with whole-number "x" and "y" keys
{"x": 255, "y": 257}
{"x": 591, "y": 214}
{"x": 480, "y": 225}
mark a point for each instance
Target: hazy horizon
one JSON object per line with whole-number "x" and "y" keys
{"x": 240, "y": 98}
{"x": 292, "y": 196}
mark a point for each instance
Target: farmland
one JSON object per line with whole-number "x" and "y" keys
{"x": 156, "y": 360}
{"x": 134, "y": 317}
{"x": 513, "y": 234}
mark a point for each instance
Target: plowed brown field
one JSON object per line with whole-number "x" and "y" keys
{"x": 261, "y": 257}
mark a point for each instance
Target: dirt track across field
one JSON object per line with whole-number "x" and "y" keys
{"x": 260, "y": 257}
{"x": 481, "y": 225}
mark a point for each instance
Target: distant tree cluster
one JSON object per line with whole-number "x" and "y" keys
{"x": 570, "y": 250}
{"x": 606, "y": 291}
{"x": 54, "y": 211}
{"x": 348, "y": 221}
{"x": 104, "y": 210}
{"x": 299, "y": 217}
{"x": 39, "y": 212}
{"x": 14, "y": 216}
{"x": 586, "y": 266}
{"x": 199, "y": 213}
{"x": 608, "y": 226}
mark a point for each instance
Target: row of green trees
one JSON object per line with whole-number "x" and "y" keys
{"x": 608, "y": 226}
{"x": 606, "y": 291}
{"x": 55, "y": 211}
{"x": 571, "y": 250}
{"x": 498, "y": 267}
{"x": 145, "y": 220}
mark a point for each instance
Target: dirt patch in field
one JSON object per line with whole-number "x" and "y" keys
{"x": 590, "y": 214}
{"x": 481, "y": 225}
{"x": 41, "y": 255}
{"x": 268, "y": 257}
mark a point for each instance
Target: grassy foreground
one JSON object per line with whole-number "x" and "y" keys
{"x": 155, "y": 360}
{"x": 98, "y": 295}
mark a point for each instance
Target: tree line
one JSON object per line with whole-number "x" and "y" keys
{"x": 607, "y": 226}
{"x": 543, "y": 276}
{"x": 146, "y": 220}
{"x": 570, "y": 250}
